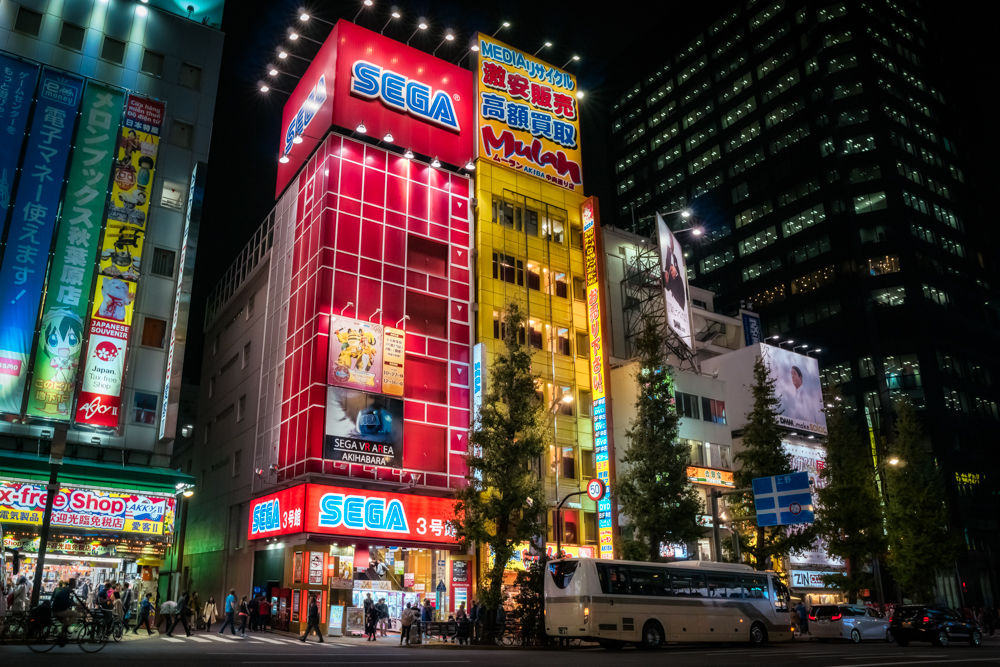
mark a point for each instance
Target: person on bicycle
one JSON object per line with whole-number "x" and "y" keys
{"x": 63, "y": 604}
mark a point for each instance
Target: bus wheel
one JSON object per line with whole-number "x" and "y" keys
{"x": 758, "y": 635}
{"x": 652, "y": 636}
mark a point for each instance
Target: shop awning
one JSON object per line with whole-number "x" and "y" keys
{"x": 29, "y": 467}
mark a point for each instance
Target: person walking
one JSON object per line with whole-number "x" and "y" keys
{"x": 230, "y": 613}
{"x": 264, "y": 609}
{"x": 210, "y": 615}
{"x": 426, "y": 616}
{"x": 254, "y": 612}
{"x": 244, "y": 616}
{"x": 383, "y": 616}
{"x": 312, "y": 617}
{"x": 167, "y": 612}
{"x": 462, "y": 619}
{"x": 128, "y": 596}
{"x": 20, "y": 600}
{"x": 181, "y": 616}
{"x": 803, "y": 613}
{"x": 195, "y": 605}
{"x": 145, "y": 609}
{"x": 405, "y": 623}
{"x": 371, "y": 622}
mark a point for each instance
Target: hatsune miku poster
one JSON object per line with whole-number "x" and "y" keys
{"x": 355, "y": 354}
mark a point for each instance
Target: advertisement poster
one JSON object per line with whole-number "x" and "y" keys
{"x": 336, "y": 627}
{"x": 460, "y": 571}
{"x": 355, "y": 354}
{"x": 598, "y": 370}
{"x": 697, "y": 475}
{"x": 88, "y": 509}
{"x": 798, "y": 388}
{"x": 297, "y": 568}
{"x": 393, "y": 361}
{"x": 34, "y": 208}
{"x": 363, "y": 428}
{"x": 124, "y": 235}
{"x": 527, "y": 115}
{"x": 315, "y": 567}
{"x": 57, "y": 353}
{"x": 675, "y": 283}
{"x": 17, "y": 83}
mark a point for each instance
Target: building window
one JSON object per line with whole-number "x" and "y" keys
{"x": 190, "y": 76}
{"x": 211, "y": 386}
{"x": 813, "y": 281}
{"x": 586, "y": 403}
{"x": 936, "y": 295}
{"x": 879, "y": 266}
{"x": 163, "y": 262}
{"x": 804, "y": 220}
{"x": 872, "y": 202}
{"x": 579, "y": 289}
{"x": 29, "y": 22}
{"x": 181, "y": 134}
{"x": 246, "y": 355}
{"x": 582, "y": 344}
{"x": 713, "y": 411}
{"x": 72, "y": 36}
{"x": 508, "y": 269}
{"x": 869, "y": 173}
{"x": 172, "y": 196}
{"x": 534, "y": 277}
{"x": 686, "y": 404}
{"x": 152, "y": 63}
{"x": 144, "y": 408}
{"x": 154, "y": 332}
{"x": 758, "y": 241}
{"x": 215, "y": 345}
{"x": 557, "y": 284}
{"x": 250, "y": 305}
{"x": 535, "y": 331}
{"x": 241, "y": 408}
{"x": 889, "y": 296}
{"x": 576, "y": 236}
{"x": 500, "y": 329}
{"x": 563, "y": 461}
{"x": 562, "y": 341}
{"x": 237, "y": 462}
{"x": 113, "y": 50}
{"x": 554, "y": 230}
{"x": 208, "y": 431}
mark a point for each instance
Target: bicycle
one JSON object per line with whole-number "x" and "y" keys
{"x": 93, "y": 632}
{"x": 118, "y": 629}
{"x": 13, "y": 628}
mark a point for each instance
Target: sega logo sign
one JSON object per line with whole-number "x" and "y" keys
{"x": 404, "y": 95}
{"x": 305, "y": 114}
{"x": 266, "y": 517}
{"x": 361, "y": 513}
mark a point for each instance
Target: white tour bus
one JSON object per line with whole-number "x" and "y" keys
{"x": 614, "y": 602}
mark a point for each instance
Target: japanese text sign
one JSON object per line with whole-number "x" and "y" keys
{"x": 17, "y": 83}
{"x": 783, "y": 500}
{"x": 277, "y": 513}
{"x": 528, "y": 118}
{"x": 33, "y": 218}
{"x": 698, "y": 475}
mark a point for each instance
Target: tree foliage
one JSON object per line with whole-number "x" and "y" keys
{"x": 529, "y": 605}
{"x": 850, "y": 516}
{"x": 652, "y": 488}
{"x": 764, "y": 456}
{"x": 503, "y": 499}
{"x": 920, "y": 543}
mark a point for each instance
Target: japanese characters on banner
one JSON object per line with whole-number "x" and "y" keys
{"x": 17, "y": 83}
{"x": 393, "y": 361}
{"x": 710, "y": 476}
{"x": 598, "y": 374}
{"x": 278, "y": 513}
{"x": 89, "y": 509}
{"x": 528, "y": 115}
{"x": 35, "y": 207}
{"x": 57, "y": 353}
{"x": 111, "y": 320}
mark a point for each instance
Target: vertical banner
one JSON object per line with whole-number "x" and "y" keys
{"x": 17, "y": 83}
{"x": 675, "y": 282}
{"x": 111, "y": 319}
{"x": 603, "y": 450}
{"x": 393, "y": 357}
{"x": 35, "y": 204}
{"x": 57, "y": 353}
{"x": 182, "y": 303}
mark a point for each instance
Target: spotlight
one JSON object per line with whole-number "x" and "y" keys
{"x": 283, "y": 159}
{"x": 470, "y": 165}
{"x": 361, "y": 129}
{"x": 264, "y": 89}
{"x": 273, "y": 72}
{"x": 387, "y": 138}
{"x": 435, "y": 162}
{"x": 408, "y": 154}
{"x": 297, "y": 139}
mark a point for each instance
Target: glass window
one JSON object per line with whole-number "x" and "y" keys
{"x": 582, "y": 344}
{"x": 713, "y": 411}
{"x": 530, "y": 222}
{"x": 163, "y": 262}
{"x": 562, "y": 341}
{"x": 579, "y": 289}
{"x": 590, "y": 532}
{"x": 181, "y": 134}
{"x": 144, "y": 408}
{"x": 878, "y": 266}
{"x": 686, "y": 404}
{"x": 562, "y": 572}
{"x": 650, "y": 580}
{"x": 113, "y": 50}
{"x": 190, "y": 76}
{"x": 614, "y": 579}
{"x": 72, "y": 36}
{"x": 889, "y": 296}
{"x": 557, "y": 284}
{"x": 508, "y": 269}
{"x": 534, "y": 277}
{"x": 172, "y": 196}
{"x": 535, "y": 331}
{"x": 154, "y": 332}
{"x": 586, "y": 404}
{"x": 576, "y": 236}
{"x": 27, "y": 21}
{"x": 870, "y": 202}
{"x": 689, "y": 584}
{"x": 241, "y": 408}
{"x": 723, "y": 585}
{"x": 152, "y": 63}
{"x": 563, "y": 460}
{"x": 756, "y": 586}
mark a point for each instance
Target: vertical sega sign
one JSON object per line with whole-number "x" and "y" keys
{"x": 359, "y": 76}
{"x": 598, "y": 373}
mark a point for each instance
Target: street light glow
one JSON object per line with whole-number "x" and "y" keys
{"x": 273, "y": 72}
{"x": 293, "y": 36}
{"x": 361, "y": 129}
{"x": 282, "y": 54}
{"x": 893, "y": 461}
{"x": 264, "y": 89}
{"x": 685, "y": 213}
{"x": 696, "y": 231}
{"x": 303, "y": 17}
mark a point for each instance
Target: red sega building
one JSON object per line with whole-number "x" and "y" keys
{"x": 365, "y": 380}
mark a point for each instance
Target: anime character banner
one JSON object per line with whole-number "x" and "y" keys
{"x": 57, "y": 352}
{"x": 34, "y": 209}
{"x": 118, "y": 276}
{"x": 356, "y": 350}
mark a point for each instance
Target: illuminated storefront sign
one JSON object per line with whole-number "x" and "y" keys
{"x": 17, "y": 84}
{"x": 809, "y": 578}
{"x": 363, "y": 428}
{"x": 33, "y": 211}
{"x": 524, "y": 556}
{"x": 598, "y": 373}
{"x": 305, "y": 114}
{"x": 407, "y": 95}
{"x": 710, "y": 477}
{"x": 89, "y": 509}
{"x": 99, "y": 403}
{"x": 527, "y": 114}
{"x": 57, "y": 354}
{"x": 347, "y": 512}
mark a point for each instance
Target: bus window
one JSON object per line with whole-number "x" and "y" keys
{"x": 756, "y": 585}
{"x": 689, "y": 584}
{"x": 649, "y": 581}
{"x": 614, "y": 579}
{"x": 780, "y": 595}
{"x": 562, "y": 572}
{"x": 723, "y": 586}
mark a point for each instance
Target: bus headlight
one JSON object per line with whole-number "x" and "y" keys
{"x": 586, "y": 614}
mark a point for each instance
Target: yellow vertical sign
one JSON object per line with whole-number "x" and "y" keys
{"x": 393, "y": 355}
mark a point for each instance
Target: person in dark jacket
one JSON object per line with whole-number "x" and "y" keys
{"x": 383, "y": 615}
{"x": 371, "y": 622}
{"x": 313, "y": 619}
{"x": 145, "y": 609}
{"x": 183, "y": 610}
{"x": 254, "y": 612}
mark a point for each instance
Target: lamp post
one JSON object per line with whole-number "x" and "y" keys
{"x": 421, "y": 25}
{"x": 394, "y": 15}
{"x": 543, "y": 46}
{"x": 876, "y": 569}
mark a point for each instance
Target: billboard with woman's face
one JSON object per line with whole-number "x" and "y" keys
{"x": 797, "y": 387}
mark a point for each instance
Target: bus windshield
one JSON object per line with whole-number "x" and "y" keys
{"x": 562, "y": 572}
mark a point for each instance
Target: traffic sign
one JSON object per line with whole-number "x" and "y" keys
{"x": 783, "y": 500}
{"x": 596, "y": 489}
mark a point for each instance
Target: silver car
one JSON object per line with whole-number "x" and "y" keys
{"x": 844, "y": 621}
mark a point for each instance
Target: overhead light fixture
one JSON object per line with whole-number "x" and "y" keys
{"x": 396, "y": 15}
{"x": 283, "y": 159}
{"x": 893, "y": 461}
{"x": 273, "y": 72}
{"x": 282, "y": 54}
{"x": 387, "y": 138}
{"x": 361, "y": 129}
{"x": 470, "y": 165}
{"x": 474, "y": 48}
{"x": 188, "y": 493}
{"x": 141, "y": 11}
{"x": 297, "y": 139}
{"x": 435, "y": 162}
{"x": 685, "y": 213}
{"x": 408, "y": 154}
{"x": 264, "y": 89}
{"x": 449, "y": 36}
{"x": 696, "y": 231}
{"x": 293, "y": 36}
{"x": 303, "y": 17}
{"x": 369, "y": 3}
{"x": 579, "y": 94}
{"x": 145, "y": 2}
{"x": 422, "y": 25}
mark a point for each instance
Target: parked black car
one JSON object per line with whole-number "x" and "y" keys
{"x": 936, "y": 624}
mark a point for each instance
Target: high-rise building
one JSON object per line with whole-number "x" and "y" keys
{"x": 107, "y": 109}
{"x": 828, "y": 194}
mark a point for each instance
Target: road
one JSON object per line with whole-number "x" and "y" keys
{"x": 212, "y": 649}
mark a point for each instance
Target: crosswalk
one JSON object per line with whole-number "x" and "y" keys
{"x": 208, "y": 638}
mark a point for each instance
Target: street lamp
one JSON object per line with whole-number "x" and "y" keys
{"x": 421, "y": 25}
{"x": 789, "y": 341}
{"x": 798, "y": 346}
{"x": 366, "y": 3}
{"x": 543, "y": 46}
{"x": 569, "y": 61}
{"x": 394, "y": 15}
{"x": 505, "y": 24}
{"x": 449, "y": 35}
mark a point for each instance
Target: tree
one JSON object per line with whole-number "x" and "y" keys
{"x": 920, "y": 543}
{"x": 653, "y": 489}
{"x": 503, "y": 498}
{"x": 763, "y": 455}
{"x": 850, "y": 517}
{"x": 529, "y": 605}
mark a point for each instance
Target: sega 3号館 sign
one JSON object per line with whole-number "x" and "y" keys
{"x": 348, "y": 512}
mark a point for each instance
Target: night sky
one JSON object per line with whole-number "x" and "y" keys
{"x": 617, "y": 42}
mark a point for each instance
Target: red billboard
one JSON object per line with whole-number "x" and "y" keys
{"x": 347, "y": 512}
{"x": 360, "y": 77}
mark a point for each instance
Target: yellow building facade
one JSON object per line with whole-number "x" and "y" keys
{"x": 529, "y": 244}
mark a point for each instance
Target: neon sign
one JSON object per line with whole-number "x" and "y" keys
{"x": 305, "y": 114}
{"x": 402, "y": 94}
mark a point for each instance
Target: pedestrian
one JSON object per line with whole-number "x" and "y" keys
{"x": 405, "y": 623}
{"x": 462, "y": 619}
{"x": 230, "y": 613}
{"x": 426, "y": 616}
{"x": 368, "y": 603}
{"x": 20, "y": 599}
{"x": 181, "y": 615}
{"x": 371, "y": 622}
{"x": 210, "y": 615}
{"x": 127, "y": 598}
{"x": 167, "y": 612}
{"x": 244, "y": 616}
{"x": 254, "y": 612}
{"x": 800, "y": 609}
{"x": 85, "y": 589}
{"x": 312, "y": 617}
{"x": 265, "y": 613}
{"x": 195, "y": 605}
{"x": 383, "y": 616}
{"x": 474, "y": 612}
{"x": 145, "y": 609}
